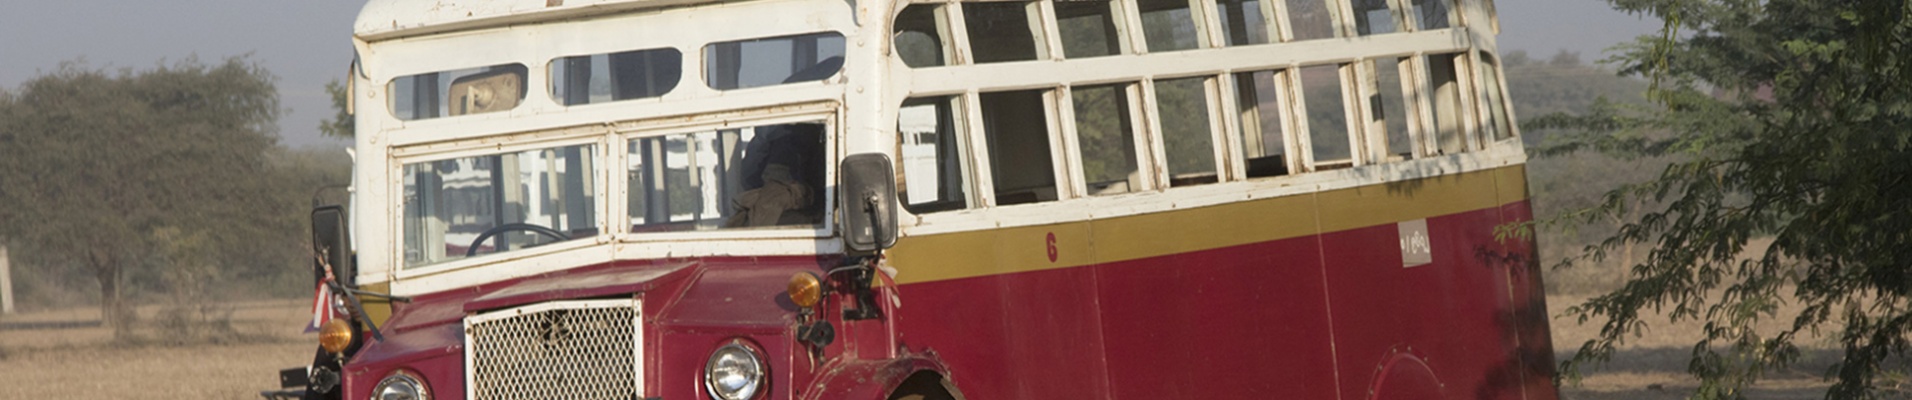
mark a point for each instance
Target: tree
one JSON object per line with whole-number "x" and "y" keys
{"x": 1788, "y": 119}
{"x": 340, "y": 125}
{"x": 95, "y": 165}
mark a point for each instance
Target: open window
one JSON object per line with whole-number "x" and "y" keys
{"x": 1243, "y": 22}
{"x": 1105, "y": 131}
{"x": 1500, "y": 125}
{"x": 1433, "y": 14}
{"x": 1188, "y": 136}
{"x": 1311, "y": 19}
{"x": 1003, "y": 31}
{"x": 1260, "y": 100}
{"x": 1372, "y": 17}
{"x": 768, "y": 176}
{"x": 598, "y": 78}
{"x": 1088, "y": 28}
{"x": 1326, "y": 116}
{"x": 1447, "y": 100}
{"x": 457, "y": 92}
{"x": 1169, "y": 25}
{"x": 1388, "y": 108}
{"x": 929, "y": 138}
{"x": 1016, "y": 126}
{"x": 497, "y": 203}
{"x": 773, "y": 61}
{"x": 921, "y": 36}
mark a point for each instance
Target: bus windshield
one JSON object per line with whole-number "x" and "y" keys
{"x": 753, "y": 177}
{"x": 497, "y": 203}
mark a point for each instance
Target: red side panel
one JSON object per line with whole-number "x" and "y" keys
{"x": 1027, "y": 335}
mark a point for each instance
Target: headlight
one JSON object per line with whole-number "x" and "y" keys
{"x": 734, "y": 372}
{"x": 400, "y": 386}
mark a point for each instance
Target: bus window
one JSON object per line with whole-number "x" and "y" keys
{"x": 1445, "y": 99}
{"x": 1242, "y": 22}
{"x": 931, "y": 146}
{"x": 1390, "y": 107}
{"x": 1169, "y": 25}
{"x": 1311, "y": 19}
{"x": 457, "y": 92}
{"x": 1265, "y": 148}
{"x": 1002, "y": 31}
{"x": 1326, "y": 116}
{"x": 1016, "y": 126}
{"x": 1189, "y": 140}
{"x": 1499, "y": 124}
{"x": 773, "y": 61}
{"x": 1087, "y": 29}
{"x": 754, "y": 177}
{"x": 599, "y": 78}
{"x": 1433, "y": 14}
{"x": 919, "y": 36}
{"x": 1106, "y": 132}
{"x": 1373, "y": 17}
{"x": 497, "y": 203}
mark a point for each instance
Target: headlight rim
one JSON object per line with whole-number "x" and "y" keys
{"x": 756, "y": 356}
{"x": 403, "y": 376}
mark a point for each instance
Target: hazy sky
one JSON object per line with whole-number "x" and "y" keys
{"x": 307, "y": 42}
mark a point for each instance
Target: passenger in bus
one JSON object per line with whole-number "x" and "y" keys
{"x": 784, "y": 192}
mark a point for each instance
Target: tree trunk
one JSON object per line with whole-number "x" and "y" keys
{"x": 112, "y": 310}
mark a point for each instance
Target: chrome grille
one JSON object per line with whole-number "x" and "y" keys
{"x": 556, "y": 350}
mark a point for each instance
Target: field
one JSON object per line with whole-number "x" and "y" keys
{"x": 64, "y": 354}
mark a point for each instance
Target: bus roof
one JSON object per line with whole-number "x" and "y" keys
{"x": 387, "y": 19}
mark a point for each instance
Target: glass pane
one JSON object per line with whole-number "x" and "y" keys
{"x": 1183, "y": 107}
{"x": 1445, "y": 98}
{"x": 932, "y": 151}
{"x": 1107, "y": 136}
{"x": 1168, "y": 25}
{"x": 773, "y": 61}
{"x": 1017, "y": 129}
{"x": 1087, "y": 29}
{"x": 919, "y": 36}
{"x": 1433, "y": 13}
{"x": 626, "y": 75}
{"x": 1311, "y": 19}
{"x": 1000, "y": 32}
{"x": 1500, "y": 125}
{"x": 1242, "y": 22}
{"x": 1321, "y": 91}
{"x": 1372, "y": 17}
{"x": 763, "y": 176}
{"x": 1260, "y": 119}
{"x": 457, "y": 92}
{"x": 497, "y": 203}
{"x": 1391, "y": 103}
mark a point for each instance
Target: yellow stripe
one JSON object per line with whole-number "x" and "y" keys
{"x": 1024, "y": 249}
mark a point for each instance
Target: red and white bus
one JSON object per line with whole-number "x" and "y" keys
{"x": 831, "y": 199}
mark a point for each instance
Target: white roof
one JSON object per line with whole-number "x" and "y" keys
{"x": 384, "y": 19}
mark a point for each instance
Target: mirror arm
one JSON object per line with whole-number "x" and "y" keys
{"x": 357, "y": 309}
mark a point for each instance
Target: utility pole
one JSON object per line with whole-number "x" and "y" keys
{"x": 6, "y": 283}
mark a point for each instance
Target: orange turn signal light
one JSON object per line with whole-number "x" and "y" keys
{"x": 335, "y": 335}
{"x": 805, "y": 289}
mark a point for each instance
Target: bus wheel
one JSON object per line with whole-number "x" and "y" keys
{"x": 926, "y": 385}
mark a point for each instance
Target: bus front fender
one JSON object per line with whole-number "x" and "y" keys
{"x": 884, "y": 379}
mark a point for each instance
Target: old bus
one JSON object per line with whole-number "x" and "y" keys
{"x": 869, "y": 199}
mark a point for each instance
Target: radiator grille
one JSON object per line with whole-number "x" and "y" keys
{"x": 560, "y": 350}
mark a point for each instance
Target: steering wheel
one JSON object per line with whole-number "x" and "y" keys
{"x": 515, "y": 226}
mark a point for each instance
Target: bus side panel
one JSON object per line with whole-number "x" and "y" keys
{"x": 1024, "y": 335}
{"x": 1245, "y": 321}
{"x": 1453, "y": 314}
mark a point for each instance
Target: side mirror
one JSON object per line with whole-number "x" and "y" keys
{"x": 331, "y": 243}
{"x": 867, "y": 191}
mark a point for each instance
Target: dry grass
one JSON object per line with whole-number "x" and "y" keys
{"x": 85, "y": 363}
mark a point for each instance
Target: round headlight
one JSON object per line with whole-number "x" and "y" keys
{"x": 734, "y": 372}
{"x": 400, "y": 386}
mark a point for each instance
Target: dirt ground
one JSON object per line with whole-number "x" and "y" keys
{"x": 65, "y": 354}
